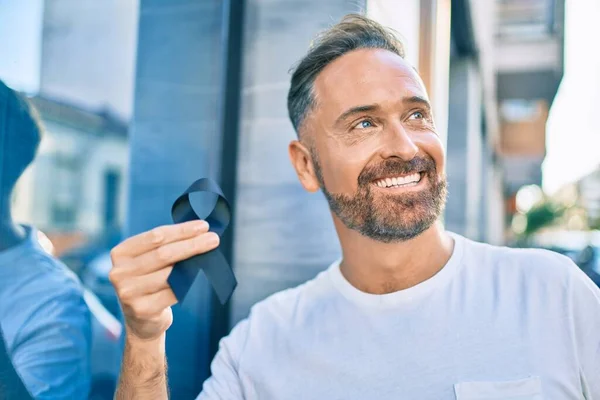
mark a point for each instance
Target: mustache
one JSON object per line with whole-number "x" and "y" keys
{"x": 396, "y": 166}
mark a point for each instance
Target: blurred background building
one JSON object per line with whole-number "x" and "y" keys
{"x": 76, "y": 188}
{"x": 140, "y": 98}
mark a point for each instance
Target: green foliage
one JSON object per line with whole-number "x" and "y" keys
{"x": 542, "y": 215}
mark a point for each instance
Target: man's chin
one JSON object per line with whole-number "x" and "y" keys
{"x": 395, "y": 234}
{"x": 391, "y": 227}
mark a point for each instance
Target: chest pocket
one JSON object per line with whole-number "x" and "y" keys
{"x": 524, "y": 389}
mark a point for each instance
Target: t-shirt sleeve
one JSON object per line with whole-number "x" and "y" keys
{"x": 586, "y": 315}
{"x": 52, "y": 352}
{"x": 224, "y": 383}
{"x": 11, "y": 385}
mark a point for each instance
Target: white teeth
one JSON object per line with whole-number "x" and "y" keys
{"x": 399, "y": 181}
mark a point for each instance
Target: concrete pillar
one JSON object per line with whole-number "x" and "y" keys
{"x": 464, "y": 149}
{"x": 284, "y": 235}
{"x": 176, "y": 139}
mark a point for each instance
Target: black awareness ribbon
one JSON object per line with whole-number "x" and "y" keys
{"x": 213, "y": 263}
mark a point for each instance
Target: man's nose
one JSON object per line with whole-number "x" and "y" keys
{"x": 399, "y": 143}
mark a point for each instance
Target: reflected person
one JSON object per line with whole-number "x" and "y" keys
{"x": 44, "y": 318}
{"x": 11, "y": 385}
{"x": 410, "y": 311}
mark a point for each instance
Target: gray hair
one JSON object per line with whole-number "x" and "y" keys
{"x": 353, "y": 32}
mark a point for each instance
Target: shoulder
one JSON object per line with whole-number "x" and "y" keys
{"x": 283, "y": 310}
{"x": 49, "y": 277}
{"x": 47, "y": 294}
{"x": 52, "y": 319}
{"x": 535, "y": 265}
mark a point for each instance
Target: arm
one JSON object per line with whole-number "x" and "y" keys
{"x": 144, "y": 370}
{"x": 52, "y": 351}
{"x": 141, "y": 267}
{"x": 11, "y": 386}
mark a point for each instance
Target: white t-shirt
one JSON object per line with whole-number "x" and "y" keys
{"x": 494, "y": 323}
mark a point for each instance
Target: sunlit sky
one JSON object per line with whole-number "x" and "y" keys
{"x": 20, "y": 43}
{"x": 573, "y": 135}
{"x": 573, "y": 130}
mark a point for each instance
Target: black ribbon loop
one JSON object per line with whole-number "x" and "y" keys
{"x": 213, "y": 263}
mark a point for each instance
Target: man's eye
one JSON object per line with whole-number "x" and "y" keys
{"x": 364, "y": 124}
{"x": 417, "y": 115}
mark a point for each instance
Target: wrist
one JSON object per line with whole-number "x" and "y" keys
{"x": 144, "y": 364}
{"x": 157, "y": 342}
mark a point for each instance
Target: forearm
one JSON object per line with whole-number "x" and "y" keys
{"x": 143, "y": 371}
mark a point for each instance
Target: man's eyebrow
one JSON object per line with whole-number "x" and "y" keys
{"x": 356, "y": 110}
{"x": 374, "y": 107}
{"x": 418, "y": 100}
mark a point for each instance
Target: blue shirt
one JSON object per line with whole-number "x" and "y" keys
{"x": 46, "y": 322}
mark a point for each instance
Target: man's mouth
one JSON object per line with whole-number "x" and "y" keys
{"x": 400, "y": 181}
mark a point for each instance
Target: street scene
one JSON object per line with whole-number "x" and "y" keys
{"x": 112, "y": 109}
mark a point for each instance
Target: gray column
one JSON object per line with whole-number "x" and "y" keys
{"x": 175, "y": 140}
{"x": 486, "y": 166}
{"x": 284, "y": 235}
{"x": 464, "y": 149}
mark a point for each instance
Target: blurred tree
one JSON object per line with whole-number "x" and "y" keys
{"x": 542, "y": 215}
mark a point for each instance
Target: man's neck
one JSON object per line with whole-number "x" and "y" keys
{"x": 376, "y": 267}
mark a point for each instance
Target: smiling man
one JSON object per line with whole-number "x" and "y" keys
{"x": 410, "y": 311}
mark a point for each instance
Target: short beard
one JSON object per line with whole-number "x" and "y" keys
{"x": 394, "y": 218}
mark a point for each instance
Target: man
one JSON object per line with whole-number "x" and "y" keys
{"x": 43, "y": 316}
{"x": 410, "y": 311}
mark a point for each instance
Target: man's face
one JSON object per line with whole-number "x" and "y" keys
{"x": 373, "y": 145}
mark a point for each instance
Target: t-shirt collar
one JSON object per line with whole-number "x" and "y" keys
{"x": 401, "y": 297}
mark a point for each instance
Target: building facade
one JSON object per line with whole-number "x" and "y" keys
{"x": 76, "y": 188}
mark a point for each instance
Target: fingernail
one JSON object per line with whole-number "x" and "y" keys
{"x": 201, "y": 226}
{"x": 212, "y": 239}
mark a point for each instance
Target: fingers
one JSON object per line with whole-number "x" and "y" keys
{"x": 132, "y": 287}
{"x": 149, "y": 307}
{"x": 152, "y": 239}
{"x": 148, "y": 273}
{"x": 142, "y": 265}
{"x": 172, "y": 253}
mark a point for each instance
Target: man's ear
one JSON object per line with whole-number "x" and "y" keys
{"x": 303, "y": 164}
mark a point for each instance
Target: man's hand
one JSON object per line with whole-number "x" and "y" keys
{"x": 141, "y": 266}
